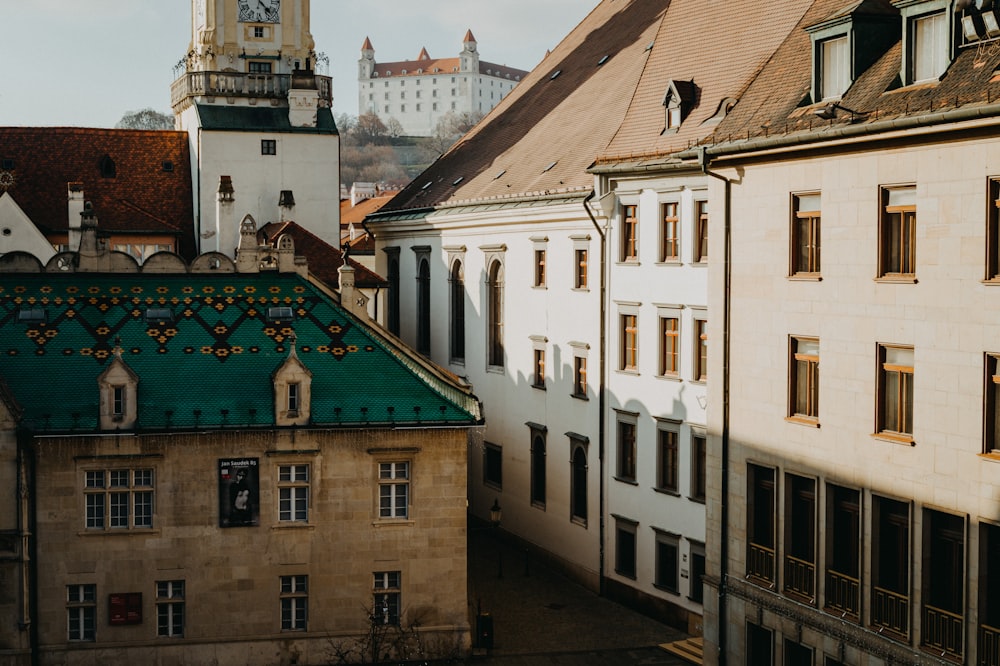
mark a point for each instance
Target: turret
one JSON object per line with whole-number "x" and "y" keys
{"x": 366, "y": 65}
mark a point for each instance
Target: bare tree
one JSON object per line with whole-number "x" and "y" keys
{"x": 394, "y": 128}
{"x": 370, "y": 130}
{"x": 146, "y": 119}
{"x": 386, "y": 643}
{"x": 449, "y": 129}
{"x": 345, "y": 125}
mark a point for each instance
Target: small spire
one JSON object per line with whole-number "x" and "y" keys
{"x": 423, "y": 54}
{"x": 367, "y": 46}
{"x": 469, "y": 37}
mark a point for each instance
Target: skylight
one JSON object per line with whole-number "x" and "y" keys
{"x": 603, "y": 60}
{"x": 160, "y": 315}
{"x": 549, "y": 167}
{"x": 281, "y": 313}
{"x": 32, "y": 316}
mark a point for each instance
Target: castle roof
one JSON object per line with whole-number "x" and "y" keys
{"x": 204, "y": 347}
{"x": 138, "y": 181}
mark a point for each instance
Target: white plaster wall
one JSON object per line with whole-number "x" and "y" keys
{"x": 19, "y": 233}
{"x": 307, "y": 164}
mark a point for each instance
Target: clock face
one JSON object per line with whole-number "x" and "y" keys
{"x": 259, "y": 11}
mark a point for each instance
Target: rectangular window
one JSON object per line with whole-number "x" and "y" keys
{"x": 257, "y": 67}
{"x": 797, "y": 654}
{"x": 666, "y": 463}
{"x": 701, "y": 350}
{"x": 669, "y": 232}
{"x": 761, "y": 512}
{"x": 805, "y": 252}
{"x": 258, "y": 32}
{"x": 539, "y": 365}
{"x": 843, "y": 551}
{"x": 629, "y": 330}
{"x": 895, "y": 387}
{"x": 991, "y": 428}
{"x": 170, "y": 608}
{"x": 701, "y": 221}
{"x": 539, "y": 268}
{"x": 294, "y": 599}
{"x": 293, "y": 493}
{"x": 800, "y": 538}
{"x": 538, "y": 475}
{"x": 630, "y": 233}
{"x": 993, "y": 229}
{"x": 890, "y": 587}
{"x": 393, "y": 489}
{"x": 268, "y": 147}
{"x": 293, "y": 399}
{"x": 898, "y": 233}
{"x": 118, "y": 402}
{"x": 580, "y": 277}
{"x": 118, "y": 499}
{"x": 81, "y": 612}
{"x": 625, "y": 547}
{"x": 697, "y": 593}
{"x": 493, "y": 466}
{"x": 626, "y": 451}
{"x": 930, "y": 46}
{"x": 989, "y": 591}
{"x": 760, "y": 646}
{"x": 386, "y": 597}
{"x": 698, "y": 469}
{"x": 835, "y": 71}
{"x": 579, "y": 377}
{"x": 804, "y": 384}
{"x": 670, "y": 338}
{"x": 667, "y": 562}
{"x": 943, "y": 613}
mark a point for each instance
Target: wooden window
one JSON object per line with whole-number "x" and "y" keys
{"x": 800, "y": 538}
{"x": 294, "y": 598}
{"x": 943, "y": 600}
{"x": 991, "y": 425}
{"x": 539, "y": 268}
{"x": 457, "y": 288}
{"x": 669, "y": 232}
{"x": 625, "y": 538}
{"x": 993, "y": 230}
{"x": 835, "y": 67}
{"x": 170, "y": 608}
{"x": 630, "y": 233}
{"x": 895, "y": 386}
{"x": 580, "y": 277}
{"x": 392, "y": 276}
{"x": 929, "y": 54}
{"x": 761, "y": 512}
{"x": 578, "y": 483}
{"x": 629, "y": 358}
{"x": 701, "y": 350}
{"x": 494, "y": 290}
{"x": 81, "y": 612}
{"x": 898, "y": 233}
{"x": 696, "y": 591}
{"x": 667, "y": 562}
{"x": 698, "y": 468}
{"x": 293, "y": 493}
{"x": 760, "y": 646}
{"x": 670, "y": 346}
{"x": 797, "y": 654}
{"x": 386, "y": 598}
{"x": 538, "y": 476}
{"x": 805, "y": 234}
{"x": 493, "y": 465}
{"x": 989, "y": 591}
{"x": 539, "y": 378}
{"x": 701, "y": 220}
{"x": 804, "y": 367}
{"x": 394, "y": 490}
{"x": 579, "y": 377}
{"x": 626, "y": 451}
{"x": 890, "y": 586}
{"x": 268, "y": 147}
{"x": 424, "y": 306}
{"x": 843, "y": 551}
{"x": 666, "y": 460}
{"x": 118, "y": 402}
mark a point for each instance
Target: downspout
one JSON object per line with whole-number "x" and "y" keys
{"x": 602, "y": 371}
{"x": 27, "y": 528}
{"x": 703, "y": 160}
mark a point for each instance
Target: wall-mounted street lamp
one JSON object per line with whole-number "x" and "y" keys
{"x": 829, "y": 112}
{"x": 495, "y": 513}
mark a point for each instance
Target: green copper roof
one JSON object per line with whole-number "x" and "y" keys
{"x": 212, "y": 365}
{"x": 261, "y": 119}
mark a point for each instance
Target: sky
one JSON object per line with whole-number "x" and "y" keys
{"x": 85, "y": 63}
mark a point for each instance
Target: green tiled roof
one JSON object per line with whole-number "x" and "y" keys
{"x": 212, "y": 366}
{"x": 261, "y": 119}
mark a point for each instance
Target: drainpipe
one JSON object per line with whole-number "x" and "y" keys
{"x": 601, "y": 388}
{"x": 703, "y": 161}
{"x": 28, "y": 536}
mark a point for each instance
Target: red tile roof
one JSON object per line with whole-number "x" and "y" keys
{"x": 142, "y": 198}
{"x": 324, "y": 260}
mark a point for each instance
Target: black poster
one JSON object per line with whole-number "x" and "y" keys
{"x": 239, "y": 492}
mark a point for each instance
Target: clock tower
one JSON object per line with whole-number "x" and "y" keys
{"x": 258, "y": 113}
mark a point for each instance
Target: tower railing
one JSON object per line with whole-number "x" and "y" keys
{"x": 242, "y": 84}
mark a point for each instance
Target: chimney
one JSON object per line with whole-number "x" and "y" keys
{"x": 225, "y": 215}
{"x": 75, "y": 207}
{"x": 303, "y": 99}
{"x": 286, "y": 206}
{"x": 91, "y": 249}
{"x": 351, "y": 299}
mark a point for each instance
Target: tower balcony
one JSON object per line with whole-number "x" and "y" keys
{"x": 244, "y": 85}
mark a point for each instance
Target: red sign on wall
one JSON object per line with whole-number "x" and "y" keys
{"x": 125, "y": 608}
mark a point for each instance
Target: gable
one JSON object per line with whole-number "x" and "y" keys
{"x": 19, "y": 234}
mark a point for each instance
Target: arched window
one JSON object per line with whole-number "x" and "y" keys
{"x": 393, "y": 314}
{"x": 538, "y": 468}
{"x": 457, "y": 312}
{"x": 424, "y": 307}
{"x": 494, "y": 295}
{"x": 578, "y": 489}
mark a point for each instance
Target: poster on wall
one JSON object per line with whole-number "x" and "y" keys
{"x": 239, "y": 490}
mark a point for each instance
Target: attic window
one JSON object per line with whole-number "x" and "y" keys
{"x": 281, "y": 314}
{"x": 159, "y": 315}
{"x": 32, "y": 316}
{"x": 649, "y": 47}
{"x": 603, "y": 60}
{"x": 834, "y": 67}
{"x": 426, "y": 185}
{"x": 168, "y": 166}
{"x": 500, "y": 175}
{"x": 549, "y": 167}
{"x": 555, "y": 74}
{"x": 457, "y": 180}
{"x": 677, "y": 102}
{"x": 107, "y": 167}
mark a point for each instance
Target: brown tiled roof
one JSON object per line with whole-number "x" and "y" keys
{"x": 141, "y": 198}
{"x": 542, "y": 137}
{"x": 356, "y": 214}
{"x": 427, "y": 65}
{"x": 777, "y": 108}
{"x": 324, "y": 260}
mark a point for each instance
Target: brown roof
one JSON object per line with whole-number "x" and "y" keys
{"x": 777, "y": 107}
{"x": 356, "y": 214}
{"x": 542, "y": 137}
{"x": 426, "y": 65}
{"x": 324, "y": 260}
{"x": 143, "y": 197}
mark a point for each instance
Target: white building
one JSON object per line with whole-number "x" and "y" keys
{"x": 418, "y": 93}
{"x": 257, "y": 113}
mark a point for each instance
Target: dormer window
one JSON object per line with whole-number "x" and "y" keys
{"x": 929, "y": 51}
{"x": 118, "y": 387}
{"x": 117, "y": 403}
{"x": 292, "y": 391}
{"x": 847, "y": 43}
{"x": 677, "y": 103}
{"x": 293, "y": 399}
{"x": 835, "y": 67}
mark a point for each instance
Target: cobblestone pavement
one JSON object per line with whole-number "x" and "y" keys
{"x": 540, "y": 617}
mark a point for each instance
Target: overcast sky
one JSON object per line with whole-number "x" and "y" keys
{"x": 101, "y": 58}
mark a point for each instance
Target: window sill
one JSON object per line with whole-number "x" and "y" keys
{"x": 666, "y": 491}
{"x": 670, "y": 378}
{"x": 992, "y": 456}
{"x": 624, "y": 479}
{"x": 842, "y": 614}
{"x": 628, "y": 262}
{"x": 496, "y": 369}
{"x": 991, "y": 282}
{"x": 894, "y": 278}
{"x": 669, "y": 590}
{"x": 539, "y": 286}
{"x": 538, "y": 505}
{"x": 293, "y": 525}
{"x": 700, "y": 380}
{"x": 697, "y": 500}
{"x": 628, "y": 371}
{"x": 393, "y": 522}
{"x": 457, "y": 361}
{"x": 585, "y": 290}
{"x": 669, "y": 262}
{"x": 540, "y": 387}
{"x": 119, "y": 531}
{"x": 895, "y": 438}
{"x": 578, "y": 396}
{"x": 803, "y": 421}
{"x": 700, "y": 263}
{"x": 805, "y": 277}
{"x": 624, "y": 574}
{"x": 576, "y": 520}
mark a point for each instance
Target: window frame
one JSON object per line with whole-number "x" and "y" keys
{"x": 539, "y": 476}
{"x": 170, "y": 608}
{"x": 803, "y": 379}
{"x": 897, "y": 235}
{"x": 701, "y": 231}
{"x": 626, "y": 432}
{"x": 940, "y": 59}
{"x": 539, "y": 274}
{"x": 991, "y": 401}
{"x": 883, "y": 511}
{"x": 423, "y": 303}
{"x": 805, "y": 234}
{"x": 903, "y": 394}
{"x": 626, "y": 546}
{"x": 800, "y": 545}
{"x": 388, "y": 585}
{"x": 842, "y": 79}
{"x": 844, "y": 532}
{"x": 628, "y": 335}
{"x": 269, "y": 147}
{"x": 456, "y": 347}
{"x": 762, "y": 524}
{"x": 668, "y": 457}
{"x": 81, "y": 613}
{"x": 103, "y": 499}
{"x": 495, "y": 315}
{"x": 579, "y": 482}
{"x": 580, "y": 265}
{"x": 493, "y": 465}
{"x": 670, "y": 344}
{"x": 945, "y": 553}
{"x": 670, "y": 232}
{"x": 293, "y": 596}
{"x": 538, "y": 368}
{"x": 294, "y": 492}
{"x": 701, "y": 349}
{"x": 665, "y": 576}
{"x": 394, "y": 478}
{"x": 580, "y": 377}
{"x": 630, "y": 234}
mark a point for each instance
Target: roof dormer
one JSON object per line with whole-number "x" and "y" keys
{"x": 678, "y": 101}
{"x": 292, "y": 391}
{"x": 119, "y": 389}
{"x": 847, "y": 43}
{"x": 928, "y": 39}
